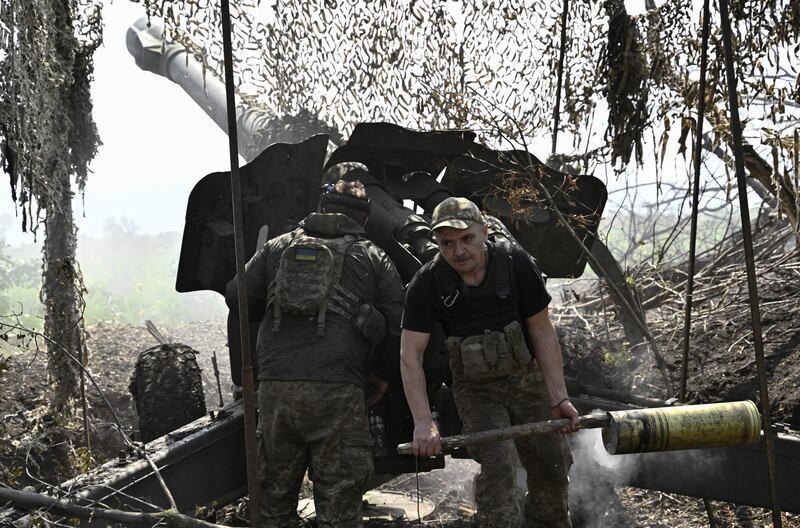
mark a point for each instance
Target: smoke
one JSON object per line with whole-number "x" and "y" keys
{"x": 590, "y": 454}
{"x": 131, "y": 277}
{"x": 595, "y": 477}
{"x": 594, "y": 473}
{"x": 461, "y": 472}
{"x": 5, "y": 224}
{"x": 453, "y": 483}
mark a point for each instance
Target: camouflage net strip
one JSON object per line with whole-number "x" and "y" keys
{"x": 47, "y": 139}
{"x": 46, "y": 125}
{"x": 427, "y": 64}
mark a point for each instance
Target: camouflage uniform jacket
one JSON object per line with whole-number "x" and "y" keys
{"x": 295, "y": 352}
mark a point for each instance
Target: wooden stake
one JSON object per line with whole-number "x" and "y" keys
{"x": 588, "y": 421}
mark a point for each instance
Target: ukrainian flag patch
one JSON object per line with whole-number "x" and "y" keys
{"x": 306, "y": 254}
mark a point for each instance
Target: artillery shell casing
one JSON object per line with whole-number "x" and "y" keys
{"x": 682, "y": 427}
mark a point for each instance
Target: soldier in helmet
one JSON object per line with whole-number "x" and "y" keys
{"x": 506, "y": 363}
{"x": 326, "y": 298}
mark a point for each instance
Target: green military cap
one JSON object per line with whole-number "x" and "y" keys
{"x": 456, "y": 212}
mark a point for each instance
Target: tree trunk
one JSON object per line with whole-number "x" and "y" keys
{"x": 62, "y": 284}
{"x": 62, "y": 297}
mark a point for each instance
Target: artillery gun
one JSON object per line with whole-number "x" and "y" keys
{"x": 407, "y": 173}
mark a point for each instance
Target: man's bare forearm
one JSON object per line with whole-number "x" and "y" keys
{"x": 416, "y": 393}
{"x": 413, "y": 375}
{"x": 426, "y": 440}
{"x": 548, "y": 354}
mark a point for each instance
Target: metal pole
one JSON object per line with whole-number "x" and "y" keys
{"x": 238, "y": 234}
{"x": 755, "y": 315}
{"x": 701, "y": 112}
{"x": 561, "y": 53}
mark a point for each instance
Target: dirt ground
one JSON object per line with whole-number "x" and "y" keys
{"x": 722, "y": 362}
{"x": 29, "y": 443}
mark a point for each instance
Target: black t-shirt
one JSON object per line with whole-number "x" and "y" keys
{"x": 423, "y": 305}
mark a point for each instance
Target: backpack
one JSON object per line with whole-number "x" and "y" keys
{"x": 308, "y": 279}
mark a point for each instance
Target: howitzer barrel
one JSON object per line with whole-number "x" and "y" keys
{"x": 641, "y": 430}
{"x": 145, "y": 42}
{"x": 256, "y": 127}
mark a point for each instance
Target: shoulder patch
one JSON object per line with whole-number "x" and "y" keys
{"x": 306, "y": 254}
{"x": 307, "y": 279}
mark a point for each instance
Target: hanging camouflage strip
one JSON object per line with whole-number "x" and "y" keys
{"x": 46, "y": 125}
{"x": 47, "y": 139}
{"x": 490, "y": 66}
{"x": 627, "y": 92}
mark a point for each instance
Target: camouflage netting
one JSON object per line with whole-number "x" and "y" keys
{"x": 419, "y": 63}
{"x": 167, "y": 389}
{"x": 490, "y": 65}
{"x": 626, "y": 70}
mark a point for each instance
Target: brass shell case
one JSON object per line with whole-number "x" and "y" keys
{"x": 682, "y": 427}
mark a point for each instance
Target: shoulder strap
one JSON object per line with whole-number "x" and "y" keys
{"x": 342, "y": 246}
{"x": 344, "y": 302}
{"x": 502, "y": 270}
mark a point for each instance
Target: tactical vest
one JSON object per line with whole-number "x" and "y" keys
{"x": 308, "y": 279}
{"x": 471, "y": 310}
{"x": 485, "y": 336}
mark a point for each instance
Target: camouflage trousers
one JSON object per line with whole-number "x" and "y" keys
{"x": 512, "y": 400}
{"x": 321, "y": 427}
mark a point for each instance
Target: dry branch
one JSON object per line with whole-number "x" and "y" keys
{"x": 137, "y": 448}
{"x": 34, "y": 501}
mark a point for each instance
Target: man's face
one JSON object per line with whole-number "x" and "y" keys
{"x": 463, "y": 249}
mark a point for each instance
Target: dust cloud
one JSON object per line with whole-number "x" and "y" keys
{"x": 130, "y": 277}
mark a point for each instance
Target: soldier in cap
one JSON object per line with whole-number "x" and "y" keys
{"x": 505, "y": 359}
{"x": 329, "y": 304}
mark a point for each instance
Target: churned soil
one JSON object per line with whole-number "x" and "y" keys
{"x": 722, "y": 363}
{"x": 36, "y": 448}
